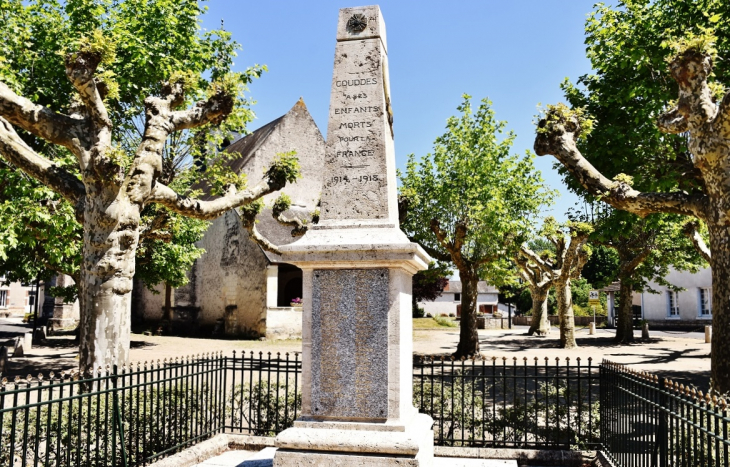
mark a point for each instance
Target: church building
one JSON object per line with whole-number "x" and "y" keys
{"x": 236, "y": 288}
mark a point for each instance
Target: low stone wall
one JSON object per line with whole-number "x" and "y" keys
{"x": 284, "y": 323}
{"x": 484, "y": 322}
{"x": 679, "y": 325}
{"x": 555, "y": 320}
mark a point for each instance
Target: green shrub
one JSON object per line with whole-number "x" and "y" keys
{"x": 445, "y": 321}
{"x": 265, "y": 407}
{"x": 463, "y": 407}
{"x": 153, "y": 422}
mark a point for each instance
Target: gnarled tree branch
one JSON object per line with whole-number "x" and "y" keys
{"x": 80, "y": 70}
{"x": 161, "y": 121}
{"x": 248, "y": 222}
{"x": 199, "y": 209}
{"x": 536, "y": 259}
{"x": 15, "y": 151}
{"x": 690, "y": 230}
{"x": 559, "y": 140}
{"x": 38, "y": 120}
{"x": 214, "y": 110}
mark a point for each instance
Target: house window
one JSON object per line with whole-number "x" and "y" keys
{"x": 457, "y": 297}
{"x": 673, "y": 302}
{"x": 3, "y": 298}
{"x": 705, "y": 302}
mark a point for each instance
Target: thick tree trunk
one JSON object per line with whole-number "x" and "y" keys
{"x": 111, "y": 236}
{"x": 468, "y": 336}
{"x": 720, "y": 263}
{"x": 625, "y": 322}
{"x": 567, "y": 318}
{"x": 540, "y": 323}
{"x": 168, "y": 303}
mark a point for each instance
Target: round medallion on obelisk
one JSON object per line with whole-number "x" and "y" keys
{"x": 357, "y": 23}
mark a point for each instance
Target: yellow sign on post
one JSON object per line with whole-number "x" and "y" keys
{"x": 593, "y": 298}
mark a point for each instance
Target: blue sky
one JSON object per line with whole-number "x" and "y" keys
{"x": 516, "y": 53}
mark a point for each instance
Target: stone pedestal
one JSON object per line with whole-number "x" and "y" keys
{"x": 357, "y": 362}
{"x": 60, "y": 315}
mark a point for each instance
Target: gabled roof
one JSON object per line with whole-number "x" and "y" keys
{"x": 248, "y": 145}
{"x": 246, "y": 148}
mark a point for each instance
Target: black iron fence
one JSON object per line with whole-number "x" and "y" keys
{"x": 264, "y": 397}
{"x": 134, "y": 416}
{"x": 501, "y": 403}
{"x": 648, "y": 421}
{"x": 118, "y": 417}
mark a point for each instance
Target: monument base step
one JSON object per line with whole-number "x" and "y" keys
{"x": 265, "y": 458}
{"x": 361, "y": 444}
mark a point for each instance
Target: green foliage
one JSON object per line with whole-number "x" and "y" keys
{"x": 266, "y": 407}
{"x": 602, "y": 267}
{"x": 444, "y": 321}
{"x": 462, "y": 408}
{"x": 282, "y": 203}
{"x": 629, "y": 46}
{"x": 68, "y": 293}
{"x": 560, "y": 115}
{"x": 701, "y": 42}
{"x": 471, "y": 180}
{"x": 284, "y": 169}
{"x": 251, "y": 210}
{"x": 70, "y": 434}
{"x": 141, "y": 44}
{"x": 168, "y": 260}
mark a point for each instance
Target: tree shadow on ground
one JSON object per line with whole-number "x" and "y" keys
{"x": 45, "y": 364}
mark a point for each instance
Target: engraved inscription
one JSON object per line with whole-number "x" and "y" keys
{"x": 349, "y": 343}
{"x": 356, "y": 180}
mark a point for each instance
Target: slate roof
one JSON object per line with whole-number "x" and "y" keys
{"x": 246, "y": 147}
{"x": 482, "y": 287}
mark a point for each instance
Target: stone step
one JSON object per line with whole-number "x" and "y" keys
{"x": 265, "y": 458}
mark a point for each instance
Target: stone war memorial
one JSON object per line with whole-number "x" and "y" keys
{"x": 357, "y": 267}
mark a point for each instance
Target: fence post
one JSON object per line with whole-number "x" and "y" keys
{"x": 118, "y": 418}
{"x": 661, "y": 433}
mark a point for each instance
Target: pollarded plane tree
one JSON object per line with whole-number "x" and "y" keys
{"x": 646, "y": 249}
{"x": 570, "y": 257}
{"x": 539, "y": 283}
{"x": 469, "y": 203}
{"x": 109, "y": 196}
{"x": 706, "y": 124}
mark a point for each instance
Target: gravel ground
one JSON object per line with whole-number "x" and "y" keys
{"x": 683, "y": 357}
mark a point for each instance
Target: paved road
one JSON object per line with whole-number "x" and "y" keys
{"x": 11, "y": 327}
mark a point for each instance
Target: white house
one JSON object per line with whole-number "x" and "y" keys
{"x": 450, "y": 301}
{"x": 690, "y": 306}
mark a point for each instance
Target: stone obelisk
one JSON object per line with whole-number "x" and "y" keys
{"x": 357, "y": 382}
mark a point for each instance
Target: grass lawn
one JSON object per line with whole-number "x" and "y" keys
{"x": 430, "y": 323}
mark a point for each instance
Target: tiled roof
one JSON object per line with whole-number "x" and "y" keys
{"x": 482, "y": 287}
